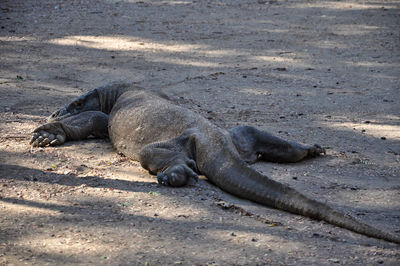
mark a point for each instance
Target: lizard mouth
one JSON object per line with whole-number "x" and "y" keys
{"x": 59, "y": 115}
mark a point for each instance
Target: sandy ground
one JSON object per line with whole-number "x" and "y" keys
{"x": 322, "y": 72}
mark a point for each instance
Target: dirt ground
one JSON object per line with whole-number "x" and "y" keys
{"x": 317, "y": 71}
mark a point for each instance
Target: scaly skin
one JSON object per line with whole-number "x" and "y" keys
{"x": 176, "y": 145}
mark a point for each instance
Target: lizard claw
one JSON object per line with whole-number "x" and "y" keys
{"x": 316, "y": 150}
{"x": 162, "y": 179}
{"x": 50, "y": 134}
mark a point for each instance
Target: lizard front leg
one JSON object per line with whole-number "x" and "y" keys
{"x": 77, "y": 127}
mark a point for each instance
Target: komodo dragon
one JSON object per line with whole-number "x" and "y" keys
{"x": 177, "y": 145}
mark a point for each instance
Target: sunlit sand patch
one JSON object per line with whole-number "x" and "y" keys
{"x": 351, "y": 29}
{"x": 186, "y": 62}
{"x": 122, "y": 43}
{"x": 156, "y": 51}
{"x": 371, "y": 64}
{"x": 345, "y": 5}
{"x": 153, "y": 49}
{"x": 16, "y": 38}
{"x": 327, "y": 44}
{"x": 257, "y": 91}
{"x": 281, "y": 60}
{"x": 374, "y": 129}
{"x": 28, "y": 206}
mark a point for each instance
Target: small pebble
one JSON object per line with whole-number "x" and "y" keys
{"x": 316, "y": 235}
{"x": 334, "y": 260}
{"x": 383, "y": 138}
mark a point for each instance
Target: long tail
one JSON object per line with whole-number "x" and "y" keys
{"x": 237, "y": 178}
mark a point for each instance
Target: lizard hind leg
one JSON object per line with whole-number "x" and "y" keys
{"x": 253, "y": 144}
{"x": 172, "y": 165}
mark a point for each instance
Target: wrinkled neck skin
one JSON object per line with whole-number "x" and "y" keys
{"x": 108, "y": 95}
{"x": 100, "y": 99}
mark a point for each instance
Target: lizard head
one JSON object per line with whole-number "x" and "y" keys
{"x": 87, "y": 102}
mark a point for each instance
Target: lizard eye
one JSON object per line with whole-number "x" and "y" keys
{"x": 78, "y": 104}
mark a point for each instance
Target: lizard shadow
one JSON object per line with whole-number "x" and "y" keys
{"x": 21, "y": 173}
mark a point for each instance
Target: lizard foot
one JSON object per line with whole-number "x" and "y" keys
{"x": 51, "y": 134}
{"x": 316, "y": 150}
{"x": 177, "y": 175}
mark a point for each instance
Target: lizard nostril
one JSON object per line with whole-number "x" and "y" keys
{"x": 55, "y": 114}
